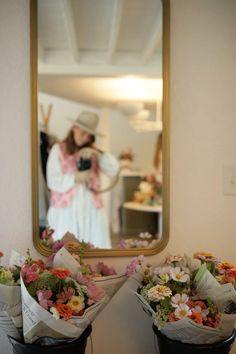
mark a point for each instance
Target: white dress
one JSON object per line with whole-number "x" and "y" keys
{"x": 80, "y": 217}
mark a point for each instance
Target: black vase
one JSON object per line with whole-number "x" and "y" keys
{"x": 76, "y": 346}
{"x": 169, "y": 346}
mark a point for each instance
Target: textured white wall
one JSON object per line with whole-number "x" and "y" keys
{"x": 15, "y": 186}
{"x": 15, "y": 180}
{"x": 124, "y": 137}
{"x": 203, "y": 125}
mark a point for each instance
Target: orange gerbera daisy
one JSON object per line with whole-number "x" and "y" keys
{"x": 60, "y": 273}
{"x": 196, "y": 317}
{"x": 224, "y": 266}
{"x": 64, "y": 311}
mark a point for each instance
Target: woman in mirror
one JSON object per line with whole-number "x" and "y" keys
{"x": 73, "y": 177}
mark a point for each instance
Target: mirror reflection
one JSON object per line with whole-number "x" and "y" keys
{"x": 100, "y": 121}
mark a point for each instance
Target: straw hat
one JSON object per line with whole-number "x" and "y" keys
{"x": 88, "y": 121}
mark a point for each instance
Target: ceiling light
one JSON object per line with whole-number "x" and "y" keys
{"x": 142, "y": 115}
{"x": 130, "y": 108}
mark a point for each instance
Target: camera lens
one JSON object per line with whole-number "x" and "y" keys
{"x": 83, "y": 164}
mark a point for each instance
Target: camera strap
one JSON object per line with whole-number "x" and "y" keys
{"x": 108, "y": 188}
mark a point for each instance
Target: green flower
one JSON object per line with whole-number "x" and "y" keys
{"x": 6, "y": 277}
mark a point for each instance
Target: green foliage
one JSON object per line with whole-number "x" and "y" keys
{"x": 6, "y": 276}
{"x": 162, "y": 312}
{"x": 178, "y": 287}
{"x": 16, "y": 273}
{"x": 82, "y": 249}
{"x": 46, "y": 280}
{"x": 144, "y": 290}
{"x": 211, "y": 307}
{"x": 211, "y": 266}
{"x": 84, "y": 270}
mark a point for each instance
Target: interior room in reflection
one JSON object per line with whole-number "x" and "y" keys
{"x": 102, "y": 62}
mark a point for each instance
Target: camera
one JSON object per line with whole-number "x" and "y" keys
{"x": 84, "y": 164}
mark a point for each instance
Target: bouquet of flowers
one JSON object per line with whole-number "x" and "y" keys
{"x": 55, "y": 300}
{"x": 185, "y": 298}
{"x": 144, "y": 240}
{"x": 224, "y": 272}
{"x": 54, "y": 304}
{"x": 149, "y": 191}
{"x": 10, "y": 299}
{"x": 68, "y": 241}
{"x": 100, "y": 274}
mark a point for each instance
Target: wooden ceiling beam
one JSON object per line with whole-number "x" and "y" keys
{"x": 154, "y": 38}
{"x": 115, "y": 28}
{"x": 70, "y": 27}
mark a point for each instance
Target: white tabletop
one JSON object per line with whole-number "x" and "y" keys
{"x": 142, "y": 207}
{"x": 132, "y": 173}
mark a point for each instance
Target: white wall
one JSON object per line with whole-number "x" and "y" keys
{"x": 203, "y": 124}
{"x": 202, "y": 135}
{"x": 124, "y": 137}
{"x": 15, "y": 186}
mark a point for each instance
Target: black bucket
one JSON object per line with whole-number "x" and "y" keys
{"x": 76, "y": 346}
{"x": 169, "y": 346}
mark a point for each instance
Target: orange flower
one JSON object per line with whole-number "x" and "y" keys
{"x": 205, "y": 256}
{"x": 172, "y": 317}
{"x": 224, "y": 266}
{"x": 232, "y": 272}
{"x": 41, "y": 264}
{"x": 190, "y": 303}
{"x": 60, "y": 273}
{"x": 1, "y": 254}
{"x": 64, "y": 311}
{"x": 196, "y": 317}
{"x": 229, "y": 279}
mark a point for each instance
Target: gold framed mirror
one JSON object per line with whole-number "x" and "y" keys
{"x": 39, "y": 80}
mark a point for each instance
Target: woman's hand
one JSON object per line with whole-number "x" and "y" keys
{"x": 86, "y": 153}
{"x": 82, "y": 176}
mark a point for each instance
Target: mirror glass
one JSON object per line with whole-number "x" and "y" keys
{"x": 100, "y": 86}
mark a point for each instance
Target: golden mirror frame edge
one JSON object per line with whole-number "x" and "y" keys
{"x": 166, "y": 142}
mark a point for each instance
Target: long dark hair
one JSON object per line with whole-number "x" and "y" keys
{"x": 71, "y": 147}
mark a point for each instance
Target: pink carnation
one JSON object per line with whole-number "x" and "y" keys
{"x": 84, "y": 279}
{"x": 43, "y": 298}
{"x": 47, "y": 234}
{"x": 95, "y": 294}
{"x": 105, "y": 270}
{"x": 57, "y": 246}
{"x": 130, "y": 269}
{"x": 31, "y": 276}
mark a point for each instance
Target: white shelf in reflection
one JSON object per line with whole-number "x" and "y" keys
{"x": 142, "y": 207}
{"x": 147, "y": 208}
